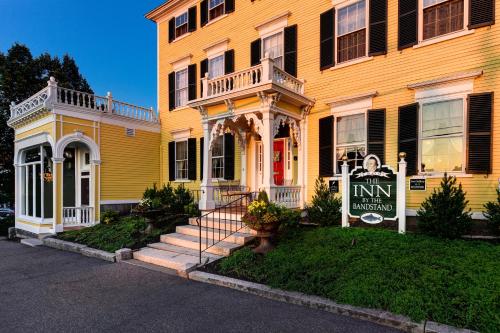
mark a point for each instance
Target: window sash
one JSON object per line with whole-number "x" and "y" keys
{"x": 216, "y": 67}
{"x": 351, "y": 18}
{"x": 218, "y": 158}
{"x": 274, "y": 46}
{"x": 430, "y": 3}
{"x": 443, "y": 118}
{"x": 215, "y": 9}
{"x": 443, "y": 18}
{"x": 214, "y": 3}
{"x": 353, "y": 126}
{"x": 181, "y": 160}
{"x": 181, "y": 19}
{"x": 181, "y": 87}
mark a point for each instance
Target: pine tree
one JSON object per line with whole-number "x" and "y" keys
{"x": 325, "y": 207}
{"x": 444, "y": 213}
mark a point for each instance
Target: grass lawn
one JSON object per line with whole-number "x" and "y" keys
{"x": 454, "y": 282}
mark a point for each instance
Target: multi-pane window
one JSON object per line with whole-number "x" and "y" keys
{"x": 216, "y": 67}
{"x": 273, "y": 45}
{"x": 181, "y": 160}
{"x": 218, "y": 158}
{"x": 215, "y": 8}
{"x": 442, "y": 17}
{"x": 351, "y": 140}
{"x": 351, "y": 31}
{"x": 181, "y": 87}
{"x": 442, "y": 136}
{"x": 181, "y": 24}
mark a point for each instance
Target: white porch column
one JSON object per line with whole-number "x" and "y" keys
{"x": 268, "y": 150}
{"x": 301, "y": 174}
{"x": 207, "y": 195}
{"x": 243, "y": 159}
{"x": 57, "y": 194}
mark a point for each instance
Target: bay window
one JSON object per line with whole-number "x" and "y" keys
{"x": 351, "y": 31}
{"x": 273, "y": 45}
{"x": 181, "y": 87}
{"x": 215, "y": 8}
{"x": 441, "y": 17}
{"x": 216, "y": 67}
{"x": 442, "y": 136}
{"x": 181, "y": 160}
{"x": 218, "y": 158}
{"x": 181, "y": 24}
{"x": 350, "y": 140}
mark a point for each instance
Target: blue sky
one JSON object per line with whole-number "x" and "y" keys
{"x": 111, "y": 41}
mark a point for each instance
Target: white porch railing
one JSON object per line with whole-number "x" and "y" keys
{"x": 288, "y": 196}
{"x": 78, "y": 216}
{"x": 261, "y": 74}
{"x": 53, "y": 96}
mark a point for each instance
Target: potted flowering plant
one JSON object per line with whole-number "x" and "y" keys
{"x": 264, "y": 217}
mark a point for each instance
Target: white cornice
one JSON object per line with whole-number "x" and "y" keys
{"x": 350, "y": 99}
{"x": 283, "y": 15}
{"x": 446, "y": 79}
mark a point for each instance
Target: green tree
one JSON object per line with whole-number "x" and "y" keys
{"x": 21, "y": 76}
{"x": 325, "y": 208}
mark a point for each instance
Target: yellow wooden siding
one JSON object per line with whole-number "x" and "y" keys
{"x": 128, "y": 164}
{"x": 388, "y": 74}
{"x": 48, "y": 128}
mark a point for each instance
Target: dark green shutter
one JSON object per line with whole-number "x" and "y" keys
{"x": 326, "y": 132}
{"x": 171, "y": 91}
{"x": 171, "y": 161}
{"x": 378, "y": 27}
{"x": 171, "y": 30}
{"x": 229, "y": 62}
{"x": 408, "y": 136}
{"x": 291, "y": 50}
{"x": 192, "y": 81}
{"x": 255, "y": 52}
{"x": 480, "y": 115}
{"x": 482, "y": 13}
{"x": 376, "y": 133}
{"x": 192, "y": 159}
{"x": 228, "y": 156}
{"x": 407, "y": 23}
{"x": 203, "y": 13}
{"x": 327, "y": 42}
{"x": 202, "y": 149}
{"x": 229, "y": 6}
{"x": 192, "y": 19}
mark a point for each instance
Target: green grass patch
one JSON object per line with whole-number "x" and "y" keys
{"x": 129, "y": 232}
{"x": 454, "y": 282}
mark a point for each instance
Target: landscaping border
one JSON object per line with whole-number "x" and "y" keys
{"x": 384, "y": 318}
{"x": 79, "y": 248}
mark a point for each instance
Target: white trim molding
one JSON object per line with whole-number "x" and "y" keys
{"x": 273, "y": 24}
{"x": 181, "y": 62}
{"x": 119, "y": 202}
{"x": 461, "y": 76}
{"x": 216, "y": 48}
{"x": 77, "y": 137}
{"x": 181, "y": 134}
{"x": 29, "y": 141}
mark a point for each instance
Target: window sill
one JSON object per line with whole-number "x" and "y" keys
{"x": 180, "y": 108}
{"x": 217, "y": 19}
{"x": 351, "y": 62}
{"x": 182, "y": 181}
{"x": 439, "y": 175}
{"x": 182, "y": 37}
{"x": 443, "y": 38}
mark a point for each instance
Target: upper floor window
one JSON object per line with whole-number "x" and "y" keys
{"x": 350, "y": 140}
{"x": 181, "y": 87}
{"x": 215, "y": 8}
{"x": 216, "y": 67}
{"x": 181, "y": 160}
{"x": 273, "y": 45}
{"x": 351, "y": 31}
{"x": 442, "y": 136}
{"x": 181, "y": 24}
{"x": 441, "y": 17}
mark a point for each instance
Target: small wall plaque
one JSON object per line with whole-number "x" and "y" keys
{"x": 418, "y": 184}
{"x": 333, "y": 186}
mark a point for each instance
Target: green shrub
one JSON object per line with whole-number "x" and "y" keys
{"x": 444, "y": 213}
{"x": 493, "y": 215}
{"x": 110, "y": 217}
{"x": 325, "y": 208}
{"x": 171, "y": 201}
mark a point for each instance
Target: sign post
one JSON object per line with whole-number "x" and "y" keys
{"x": 345, "y": 193}
{"x": 402, "y": 194}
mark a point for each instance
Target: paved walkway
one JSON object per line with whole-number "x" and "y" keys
{"x": 46, "y": 290}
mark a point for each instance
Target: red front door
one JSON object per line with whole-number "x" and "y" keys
{"x": 279, "y": 162}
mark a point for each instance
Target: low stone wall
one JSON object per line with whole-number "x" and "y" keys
{"x": 79, "y": 248}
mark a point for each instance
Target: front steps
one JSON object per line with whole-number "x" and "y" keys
{"x": 180, "y": 250}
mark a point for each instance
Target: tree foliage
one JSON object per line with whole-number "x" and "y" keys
{"x": 22, "y": 75}
{"x": 325, "y": 207}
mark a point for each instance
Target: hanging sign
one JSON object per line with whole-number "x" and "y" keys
{"x": 418, "y": 184}
{"x": 333, "y": 186}
{"x": 373, "y": 192}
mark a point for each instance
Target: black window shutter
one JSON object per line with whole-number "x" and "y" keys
{"x": 378, "y": 27}
{"x": 192, "y": 19}
{"x": 481, "y": 13}
{"x": 408, "y": 136}
{"x": 171, "y": 91}
{"x": 229, "y": 6}
{"x": 376, "y": 133}
{"x": 202, "y": 148}
{"x": 407, "y": 23}
{"x": 171, "y": 161}
{"x": 480, "y": 112}
{"x": 326, "y": 132}
{"x": 192, "y": 159}
{"x": 255, "y": 51}
{"x": 192, "y": 81}
{"x": 229, "y": 62}
{"x": 291, "y": 50}
{"x": 203, "y": 71}
{"x": 327, "y": 43}
{"x": 171, "y": 30}
{"x": 228, "y": 156}
{"x": 203, "y": 13}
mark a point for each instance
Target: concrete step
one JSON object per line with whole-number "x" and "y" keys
{"x": 221, "y": 248}
{"x": 182, "y": 263}
{"x": 224, "y": 224}
{"x": 227, "y": 214}
{"x": 184, "y": 250}
{"x": 33, "y": 242}
{"x": 210, "y": 233}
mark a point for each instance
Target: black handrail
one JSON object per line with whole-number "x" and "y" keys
{"x": 235, "y": 207}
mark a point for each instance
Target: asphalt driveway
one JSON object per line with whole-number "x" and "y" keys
{"x": 46, "y": 290}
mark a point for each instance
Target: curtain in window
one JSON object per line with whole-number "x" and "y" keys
{"x": 352, "y": 18}
{"x": 351, "y": 129}
{"x": 218, "y": 158}
{"x": 181, "y": 160}
{"x": 443, "y": 118}
{"x": 274, "y": 47}
{"x": 216, "y": 67}
{"x": 181, "y": 88}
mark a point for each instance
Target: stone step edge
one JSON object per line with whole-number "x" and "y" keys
{"x": 380, "y": 317}
{"x": 182, "y": 250}
{"x": 230, "y": 234}
{"x": 218, "y": 248}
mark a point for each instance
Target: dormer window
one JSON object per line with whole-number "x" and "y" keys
{"x": 181, "y": 24}
{"x": 215, "y": 9}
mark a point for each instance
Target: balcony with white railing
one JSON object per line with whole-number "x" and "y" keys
{"x": 265, "y": 77}
{"x": 53, "y": 98}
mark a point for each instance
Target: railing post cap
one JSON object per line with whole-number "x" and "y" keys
{"x": 52, "y": 81}
{"x": 109, "y": 94}
{"x": 12, "y": 103}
